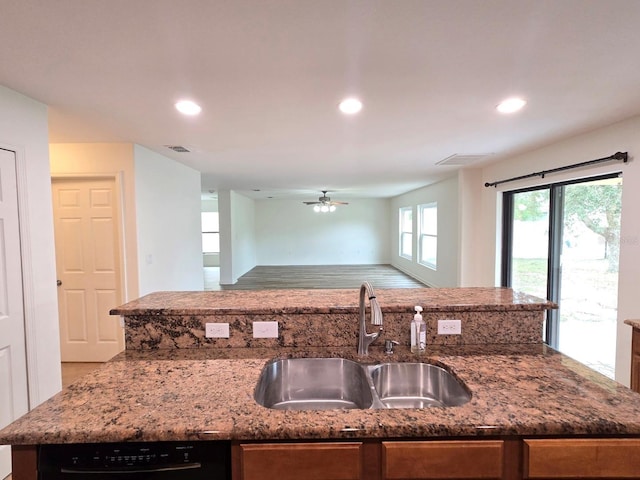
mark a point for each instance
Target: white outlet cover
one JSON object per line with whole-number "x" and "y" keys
{"x": 449, "y": 327}
{"x": 216, "y": 330}
{"x": 265, "y": 329}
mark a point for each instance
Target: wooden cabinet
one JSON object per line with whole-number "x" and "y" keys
{"x": 379, "y": 460}
{"x": 443, "y": 460}
{"x": 581, "y": 458}
{"x": 295, "y": 461}
{"x": 635, "y": 360}
{"x": 24, "y": 459}
{"x": 510, "y": 458}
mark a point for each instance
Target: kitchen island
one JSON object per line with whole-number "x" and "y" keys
{"x": 522, "y": 393}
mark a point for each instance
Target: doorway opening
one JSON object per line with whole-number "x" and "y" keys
{"x": 562, "y": 242}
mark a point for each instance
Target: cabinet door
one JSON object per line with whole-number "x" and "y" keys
{"x": 442, "y": 460}
{"x": 635, "y": 361}
{"x": 582, "y": 458}
{"x": 635, "y": 373}
{"x": 296, "y": 461}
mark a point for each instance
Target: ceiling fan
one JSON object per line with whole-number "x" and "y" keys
{"x": 324, "y": 204}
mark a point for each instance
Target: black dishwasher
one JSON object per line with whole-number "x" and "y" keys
{"x": 135, "y": 461}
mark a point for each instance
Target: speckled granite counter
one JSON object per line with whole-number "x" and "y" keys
{"x": 633, "y": 323}
{"x": 178, "y": 386}
{"x": 329, "y": 301}
{"x": 329, "y": 318}
{"x": 208, "y": 394}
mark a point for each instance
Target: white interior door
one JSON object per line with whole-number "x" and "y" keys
{"x": 14, "y": 399}
{"x": 88, "y": 267}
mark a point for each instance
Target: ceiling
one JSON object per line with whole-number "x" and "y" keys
{"x": 269, "y": 75}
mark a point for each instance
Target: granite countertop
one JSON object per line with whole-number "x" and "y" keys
{"x": 330, "y": 301}
{"x": 633, "y": 323}
{"x": 208, "y": 394}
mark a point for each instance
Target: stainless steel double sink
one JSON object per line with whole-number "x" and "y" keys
{"x": 328, "y": 383}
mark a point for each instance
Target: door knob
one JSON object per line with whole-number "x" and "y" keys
{"x": 58, "y": 282}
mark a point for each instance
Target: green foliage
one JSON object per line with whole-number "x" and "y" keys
{"x": 597, "y": 206}
{"x": 531, "y": 206}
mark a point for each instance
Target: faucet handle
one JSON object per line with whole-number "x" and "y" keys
{"x": 388, "y": 346}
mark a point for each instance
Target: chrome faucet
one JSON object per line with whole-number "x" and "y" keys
{"x": 365, "y": 339}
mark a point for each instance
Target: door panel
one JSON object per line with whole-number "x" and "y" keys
{"x": 76, "y": 306}
{"x": 14, "y": 399}
{"x": 588, "y": 284}
{"x": 530, "y": 247}
{"x": 562, "y": 244}
{"x": 88, "y": 265}
{"x": 72, "y": 253}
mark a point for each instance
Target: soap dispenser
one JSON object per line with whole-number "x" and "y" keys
{"x": 418, "y": 332}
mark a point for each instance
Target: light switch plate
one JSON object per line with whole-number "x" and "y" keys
{"x": 265, "y": 329}
{"x": 449, "y": 327}
{"x": 216, "y": 330}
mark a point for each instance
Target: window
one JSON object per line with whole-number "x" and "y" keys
{"x": 561, "y": 242}
{"x": 428, "y": 244}
{"x": 406, "y": 232}
{"x": 210, "y": 233}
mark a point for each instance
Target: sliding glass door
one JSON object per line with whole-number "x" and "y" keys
{"x": 561, "y": 242}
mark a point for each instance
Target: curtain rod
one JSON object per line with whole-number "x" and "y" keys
{"x": 624, "y": 156}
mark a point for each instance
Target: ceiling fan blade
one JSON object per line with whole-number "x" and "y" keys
{"x": 324, "y": 200}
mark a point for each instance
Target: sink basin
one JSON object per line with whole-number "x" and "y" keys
{"x": 313, "y": 384}
{"x": 417, "y": 385}
{"x": 327, "y": 383}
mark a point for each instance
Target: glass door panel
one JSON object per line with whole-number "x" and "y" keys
{"x": 530, "y": 242}
{"x": 562, "y": 243}
{"x": 588, "y": 294}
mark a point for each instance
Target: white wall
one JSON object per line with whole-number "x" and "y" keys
{"x": 446, "y": 194}
{"x": 291, "y": 233}
{"x": 24, "y": 129}
{"x": 109, "y": 159}
{"x": 470, "y": 189}
{"x": 243, "y": 234}
{"x": 237, "y": 235}
{"x": 169, "y": 228}
{"x": 623, "y": 136}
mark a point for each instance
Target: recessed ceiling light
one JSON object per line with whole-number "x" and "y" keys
{"x": 350, "y": 106}
{"x": 511, "y": 105}
{"x": 187, "y": 107}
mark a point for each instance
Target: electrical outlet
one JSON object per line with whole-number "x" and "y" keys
{"x": 265, "y": 329}
{"x": 449, "y": 327}
{"x": 216, "y": 330}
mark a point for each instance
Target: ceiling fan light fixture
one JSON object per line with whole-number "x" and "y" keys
{"x": 325, "y": 204}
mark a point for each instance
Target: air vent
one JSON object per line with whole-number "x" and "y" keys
{"x": 462, "y": 160}
{"x": 178, "y": 148}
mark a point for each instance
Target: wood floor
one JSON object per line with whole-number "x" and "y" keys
{"x": 317, "y": 276}
{"x": 72, "y": 371}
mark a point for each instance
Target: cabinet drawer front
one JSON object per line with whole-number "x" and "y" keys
{"x": 442, "y": 459}
{"x": 295, "y": 461}
{"x": 584, "y": 458}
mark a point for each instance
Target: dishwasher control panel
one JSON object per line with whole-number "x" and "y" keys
{"x": 162, "y": 460}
